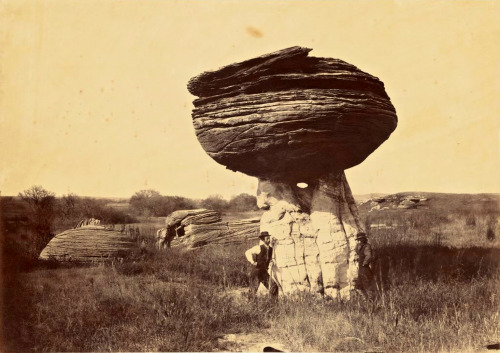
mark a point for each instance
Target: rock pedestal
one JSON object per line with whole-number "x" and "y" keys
{"x": 313, "y": 233}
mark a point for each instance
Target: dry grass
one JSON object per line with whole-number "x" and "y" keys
{"x": 182, "y": 300}
{"x": 435, "y": 297}
{"x": 99, "y": 309}
{"x": 413, "y": 317}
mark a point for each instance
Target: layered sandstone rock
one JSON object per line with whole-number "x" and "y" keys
{"x": 288, "y": 118}
{"x": 90, "y": 243}
{"x": 314, "y": 234}
{"x": 219, "y": 233}
{"x": 179, "y": 224}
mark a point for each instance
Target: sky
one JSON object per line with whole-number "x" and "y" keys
{"x": 93, "y": 97}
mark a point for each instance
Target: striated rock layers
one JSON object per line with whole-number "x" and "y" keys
{"x": 313, "y": 233}
{"x": 90, "y": 243}
{"x": 219, "y": 233}
{"x": 179, "y": 224}
{"x": 287, "y": 118}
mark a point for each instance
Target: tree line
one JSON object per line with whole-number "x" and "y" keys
{"x": 152, "y": 203}
{"x": 44, "y": 214}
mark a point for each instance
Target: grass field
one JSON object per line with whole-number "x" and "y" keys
{"x": 438, "y": 294}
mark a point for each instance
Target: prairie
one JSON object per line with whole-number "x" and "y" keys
{"x": 438, "y": 286}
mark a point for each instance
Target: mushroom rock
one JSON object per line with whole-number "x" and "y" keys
{"x": 287, "y": 118}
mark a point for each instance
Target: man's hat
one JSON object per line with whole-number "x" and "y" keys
{"x": 361, "y": 235}
{"x": 264, "y": 234}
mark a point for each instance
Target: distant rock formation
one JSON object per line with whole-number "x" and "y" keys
{"x": 396, "y": 201}
{"x": 407, "y": 204}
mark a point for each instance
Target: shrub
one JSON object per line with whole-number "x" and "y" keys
{"x": 243, "y": 202}
{"x": 41, "y": 212}
{"x": 215, "y": 202}
{"x": 146, "y": 202}
{"x": 152, "y": 203}
{"x": 72, "y": 209}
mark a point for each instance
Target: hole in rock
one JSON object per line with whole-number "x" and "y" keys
{"x": 493, "y": 346}
{"x": 179, "y": 230}
{"x": 302, "y": 185}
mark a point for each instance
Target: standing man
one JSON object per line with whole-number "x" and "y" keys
{"x": 260, "y": 256}
{"x": 364, "y": 257}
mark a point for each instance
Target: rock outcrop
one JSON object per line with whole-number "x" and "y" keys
{"x": 179, "y": 223}
{"x": 90, "y": 243}
{"x": 197, "y": 228}
{"x": 219, "y": 233}
{"x": 389, "y": 202}
{"x": 287, "y": 118}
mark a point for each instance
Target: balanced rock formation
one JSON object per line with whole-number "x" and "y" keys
{"x": 89, "y": 243}
{"x": 287, "y": 118}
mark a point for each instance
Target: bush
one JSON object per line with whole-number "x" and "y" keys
{"x": 41, "y": 212}
{"x": 215, "y": 202}
{"x": 151, "y": 203}
{"x": 72, "y": 209}
{"x": 242, "y": 203}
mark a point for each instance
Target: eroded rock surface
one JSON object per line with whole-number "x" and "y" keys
{"x": 313, "y": 232}
{"x": 288, "y": 116}
{"x": 178, "y": 224}
{"x": 91, "y": 243}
